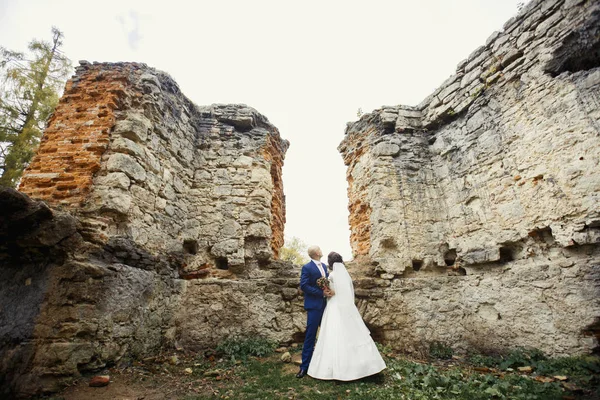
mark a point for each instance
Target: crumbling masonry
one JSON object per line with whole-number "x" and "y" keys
{"x": 477, "y": 212}
{"x": 146, "y": 222}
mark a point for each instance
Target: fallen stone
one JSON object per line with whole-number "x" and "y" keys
{"x": 286, "y": 357}
{"x": 544, "y": 379}
{"x": 297, "y": 359}
{"x": 99, "y": 381}
{"x": 572, "y": 387}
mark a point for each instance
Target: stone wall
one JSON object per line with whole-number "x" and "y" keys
{"x": 72, "y": 304}
{"x": 492, "y": 179}
{"x": 153, "y": 223}
{"x": 144, "y": 223}
{"x": 142, "y": 161}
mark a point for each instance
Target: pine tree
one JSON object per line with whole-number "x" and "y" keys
{"x": 29, "y": 92}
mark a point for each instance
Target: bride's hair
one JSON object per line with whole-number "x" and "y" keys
{"x": 332, "y": 258}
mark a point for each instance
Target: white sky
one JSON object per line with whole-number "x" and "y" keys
{"x": 307, "y": 65}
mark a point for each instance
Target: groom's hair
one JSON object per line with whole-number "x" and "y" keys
{"x": 334, "y": 257}
{"x": 312, "y": 250}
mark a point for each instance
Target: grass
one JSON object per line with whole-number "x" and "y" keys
{"x": 482, "y": 377}
{"x": 251, "y": 369}
{"x": 266, "y": 379}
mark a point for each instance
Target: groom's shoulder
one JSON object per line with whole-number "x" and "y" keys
{"x": 306, "y": 265}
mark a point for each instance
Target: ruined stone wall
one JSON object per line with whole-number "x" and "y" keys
{"x": 69, "y": 304}
{"x": 493, "y": 178}
{"x": 144, "y": 162}
{"x": 72, "y": 304}
{"x": 150, "y": 204}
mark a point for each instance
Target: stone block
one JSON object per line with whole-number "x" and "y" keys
{"x": 123, "y": 163}
{"x": 386, "y": 149}
{"x": 135, "y": 127}
{"x": 117, "y": 180}
{"x": 113, "y": 199}
{"x": 124, "y": 145}
{"x": 511, "y": 56}
{"x": 260, "y": 230}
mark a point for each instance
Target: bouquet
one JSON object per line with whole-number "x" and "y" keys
{"x": 323, "y": 283}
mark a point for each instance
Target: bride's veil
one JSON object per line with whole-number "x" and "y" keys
{"x": 344, "y": 289}
{"x": 343, "y": 299}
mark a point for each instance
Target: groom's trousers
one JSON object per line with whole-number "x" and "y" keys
{"x": 313, "y": 321}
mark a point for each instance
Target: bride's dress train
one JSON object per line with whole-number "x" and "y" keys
{"x": 345, "y": 350}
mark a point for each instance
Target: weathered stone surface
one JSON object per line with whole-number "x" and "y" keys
{"x": 386, "y": 149}
{"x": 474, "y": 216}
{"x": 488, "y": 213}
{"x": 136, "y": 127}
{"x": 124, "y": 163}
{"x": 173, "y": 170}
{"x": 236, "y": 308}
{"x": 171, "y": 194}
{"x": 71, "y": 305}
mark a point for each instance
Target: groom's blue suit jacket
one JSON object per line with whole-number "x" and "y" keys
{"x": 313, "y": 295}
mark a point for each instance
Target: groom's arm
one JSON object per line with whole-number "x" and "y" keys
{"x": 306, "y": 286}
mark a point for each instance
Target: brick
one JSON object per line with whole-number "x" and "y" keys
{"x": 70, "y": 143}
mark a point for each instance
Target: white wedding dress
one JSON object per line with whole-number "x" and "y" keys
{"x": 345, "y": 350}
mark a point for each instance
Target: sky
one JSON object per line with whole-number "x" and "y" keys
{"x": 308, "y": 66}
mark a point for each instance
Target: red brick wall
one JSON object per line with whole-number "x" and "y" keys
{"x": 77, "y": 135}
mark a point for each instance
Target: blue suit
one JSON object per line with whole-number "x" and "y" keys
{"x": 314, "y": 304}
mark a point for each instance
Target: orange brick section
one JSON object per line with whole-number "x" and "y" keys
{"x": 77, "y": 135}
{"x": 358, "y": 205}
{"x": 360, "y": 223}
{"x": 275, "y": 153}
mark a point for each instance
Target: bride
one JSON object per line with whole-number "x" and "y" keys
{"x": 345, "y": 350}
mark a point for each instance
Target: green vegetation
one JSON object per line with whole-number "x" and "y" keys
{"x": 294, "y": 251}
{"x": 440, "y": 350}
{"x": 234, "y": 371}
{"x": 581, "y": 371}
{"x": 482, "y": 377}
{"x": 242, "y": 348}
{"x": 29, "y": 90}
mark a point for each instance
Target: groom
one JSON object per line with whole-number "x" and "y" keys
{"x": 314, "y": 303}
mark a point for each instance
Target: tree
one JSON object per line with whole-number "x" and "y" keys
{"x": 294, "y": 251}
{"x": 29, "y": 92}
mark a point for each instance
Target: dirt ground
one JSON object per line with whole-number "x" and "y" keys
{"x": 155, "y": 381}
{"x": 129, "y": 385}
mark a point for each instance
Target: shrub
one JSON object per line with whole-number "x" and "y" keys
{"x": 384, "y": 350}
{"x": 519, "y": 357}
{"x": 242, "y": 348}
{"x": 440, "y": 350}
